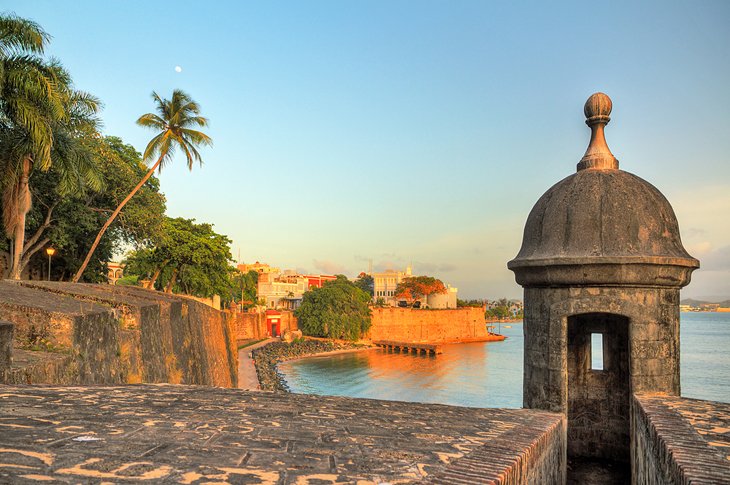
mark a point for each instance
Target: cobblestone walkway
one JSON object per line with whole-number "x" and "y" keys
{"x": 191, "y": 434}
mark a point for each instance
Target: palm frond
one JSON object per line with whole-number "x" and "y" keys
{"x": 21, "y": 35}
{"x": 151, "y": 120}
{"x": 197, "y": 137}
{"x": 153, "y": 147}
{"x": 174, "y": 118}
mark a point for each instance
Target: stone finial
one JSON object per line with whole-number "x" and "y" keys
{"x": 598, "y": 156}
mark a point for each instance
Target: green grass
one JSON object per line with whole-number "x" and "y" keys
{"x": 250, "y": 343}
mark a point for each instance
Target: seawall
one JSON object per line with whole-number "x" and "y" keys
{"x": 399, "y": 324}
{"x": 435, "y": 326}
{"x": 248, "y": 326}
{"x": 102, "y": 334}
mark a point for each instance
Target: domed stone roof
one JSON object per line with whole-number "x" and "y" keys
{"x": 602, "y": 225}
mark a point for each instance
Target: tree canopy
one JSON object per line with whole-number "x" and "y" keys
{"x": 188, "y": 257}
{"x": 81, "y": 184}
{"x": 174, "y": 120}
{"x": 245, "y": 288}
{"x": 417, "y": 287}
{"x": 366, "y": 283}
{"x": 44, "y": 123}
{"x": 338, "y": 309}
{"x": 69, "y": 221}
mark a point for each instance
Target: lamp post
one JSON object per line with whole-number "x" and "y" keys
{"x": 50, "y": 252}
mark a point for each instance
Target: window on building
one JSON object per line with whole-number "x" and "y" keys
{"x": 597, "y": 351}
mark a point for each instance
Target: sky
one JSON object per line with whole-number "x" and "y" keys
{"x": 396, "y": 132}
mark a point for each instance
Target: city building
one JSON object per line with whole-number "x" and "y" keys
{"x": 386, "y": 282}
{"x": 115, "y": 271}
{"x": 316, "y": 281}
{"x": 261, "y": 268}
{"x": 283, "y": 290}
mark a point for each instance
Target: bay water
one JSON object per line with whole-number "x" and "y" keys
{"x": 489, "y": 374}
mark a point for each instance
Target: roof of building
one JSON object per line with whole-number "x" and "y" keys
{"x": 602, "y": 215}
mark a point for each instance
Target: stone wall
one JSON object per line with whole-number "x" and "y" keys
{"x": 541, "y": 459}
{"x": 117, "y": 334}
{"x": 679, "y": 440}
{"x": 6, "y": 344}
{"x": 641, "y": 358}
{"x": 400, "y": 324}
{"x": 410, "y": 325}
{"x": 249, "y": 326}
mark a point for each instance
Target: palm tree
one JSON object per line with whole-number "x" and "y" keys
{"x": 175, "y": 119}
{"x": 70, "y": 158}
{"x": 32, "y": 94}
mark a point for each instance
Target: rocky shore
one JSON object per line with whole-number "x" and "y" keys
{"x": 266, "y": 358}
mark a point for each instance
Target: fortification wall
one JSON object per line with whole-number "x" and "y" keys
{"x": 248, "y": 326}
{"x": 409, "y": 325}
{"x": 112, "y": 335}
{"x": 679, "y": 440}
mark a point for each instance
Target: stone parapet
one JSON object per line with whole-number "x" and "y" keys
{"x": 116, "y": 335}
{"x": 6, "y": 344}
{"x": 679, "y": 440}
{"x": 194, "y": 434}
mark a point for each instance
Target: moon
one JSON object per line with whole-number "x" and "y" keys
{"x": 178, "y": 69}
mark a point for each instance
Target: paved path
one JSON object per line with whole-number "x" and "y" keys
{"x": 247, "y": 378}
{"x": 164, "y": 434}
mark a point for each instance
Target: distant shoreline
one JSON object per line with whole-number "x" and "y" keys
{"x": 719, "y": 310}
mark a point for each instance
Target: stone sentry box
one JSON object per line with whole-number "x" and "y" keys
{"x": 601, "y": 254}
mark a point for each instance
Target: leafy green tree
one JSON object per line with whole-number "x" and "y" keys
{"x": 417, "y": 287}
{"x": 338, "y": 309}
{"x": 469, "y": 303}
{"x": 175, "y": 120}
{"x": 244, "y": 287}
{"x": 69, "y": 222}
{"x": 249, "y": 286}
{"x": 366, "y": 283}
{"x": 188, "y": 257}
{"x": 500, "y": 309}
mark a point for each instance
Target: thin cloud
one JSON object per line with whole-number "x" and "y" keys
{"x": 328, "y": 267}
{"x": 717, "y": 260}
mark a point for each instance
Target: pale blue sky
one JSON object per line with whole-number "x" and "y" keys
{"x": 417, "y": 131}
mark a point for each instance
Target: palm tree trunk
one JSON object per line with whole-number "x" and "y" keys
{"x": 114, "y": 215}
{"x": 171, "y": 283}
{"x": 22, "y": 206}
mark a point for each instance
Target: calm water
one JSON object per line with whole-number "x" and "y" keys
{"x": 490, "y": 374}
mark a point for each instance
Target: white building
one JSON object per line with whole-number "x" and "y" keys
{"x": 442, "y": 301}
{"x": 282, "y": 291}
{"x": 386, "y": 282}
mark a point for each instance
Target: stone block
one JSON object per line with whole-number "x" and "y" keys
{"x": 6, "y": 344}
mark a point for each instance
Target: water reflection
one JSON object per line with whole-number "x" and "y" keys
{"x": 490, "y": 374}
{"x": 479, "y": 374}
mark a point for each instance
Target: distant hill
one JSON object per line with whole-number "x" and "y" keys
{"x": 696, "y": 303}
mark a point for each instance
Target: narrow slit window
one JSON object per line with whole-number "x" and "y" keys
{"x": 597, "y": 351}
